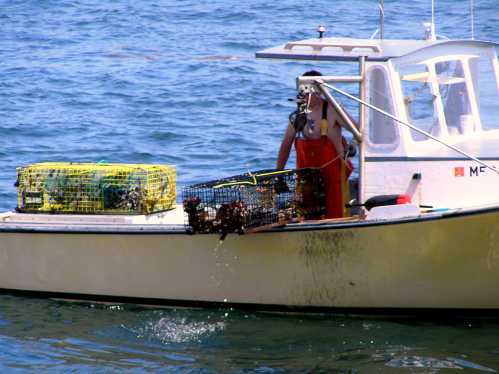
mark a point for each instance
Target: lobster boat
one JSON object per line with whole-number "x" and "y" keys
{"x": 424, "y": 236}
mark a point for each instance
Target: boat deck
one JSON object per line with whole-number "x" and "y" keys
{"x": 174, "y": 221}
{"x": 170, "y": 217}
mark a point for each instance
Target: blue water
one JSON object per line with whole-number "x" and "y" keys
{"x": 177, "y": 82}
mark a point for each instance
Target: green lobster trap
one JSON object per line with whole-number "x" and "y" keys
{"x": 258, "y": 199}
{"x": 84, "y": 188}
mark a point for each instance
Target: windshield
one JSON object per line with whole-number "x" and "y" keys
{"x": 454, "y": 96}
{"x": 487, "y": 89}
{"x": 419, "y": 100}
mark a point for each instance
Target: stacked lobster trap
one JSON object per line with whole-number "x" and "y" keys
{"x": 84, "y": 188}
{"x": 254, "y": 200}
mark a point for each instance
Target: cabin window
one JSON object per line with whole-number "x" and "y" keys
{"x": 487, "y": 90}
{"x": 419, "y": 100}
{"x": 455, "y": 98}
{"x": 382, "y": 129}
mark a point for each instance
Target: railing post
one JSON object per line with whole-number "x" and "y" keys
{"x": 362, "y": 126}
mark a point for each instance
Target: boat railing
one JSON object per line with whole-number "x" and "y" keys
{"x": 319, "y": 45}
{"x": 330, "y": 78}
{"x": 339, "y": 109}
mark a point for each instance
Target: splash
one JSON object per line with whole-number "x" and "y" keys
{"x": 179, "y": 330}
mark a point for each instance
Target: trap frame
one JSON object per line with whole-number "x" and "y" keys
{"x": 85, "y": 188}
{"x": 256, "y": 199}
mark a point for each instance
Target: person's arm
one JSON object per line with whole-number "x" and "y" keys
{"x": 285, "y": 148}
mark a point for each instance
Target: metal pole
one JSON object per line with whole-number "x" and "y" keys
{"x": 363, "y": 102}
{"x": 351, "y": 126}
{"x": 330, "y": 78}
{"x": 433, "y": 32}
{"x": 472, "y": 16}
{"x": 381, "y": 19}
{"x": 362, "y": 126}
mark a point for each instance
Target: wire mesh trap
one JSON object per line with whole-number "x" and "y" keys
{"x": 80, "y": 188}
{"x": 253, "y": 200}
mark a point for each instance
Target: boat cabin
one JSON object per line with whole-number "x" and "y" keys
{"x": 428, "y": 118}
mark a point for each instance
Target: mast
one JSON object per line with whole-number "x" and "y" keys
{"x": 430, "y": 32}
{"x": 381, "y": 19}
{"x": 472, "y": 16}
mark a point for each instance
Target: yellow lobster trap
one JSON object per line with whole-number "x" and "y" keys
{"x": 84, "y": 188}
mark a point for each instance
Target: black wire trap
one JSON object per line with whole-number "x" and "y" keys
{"x": 259, "y": 199}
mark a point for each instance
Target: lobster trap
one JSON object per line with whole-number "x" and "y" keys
{"x": 253, "y": 200}
{"x": 84, "y": 188}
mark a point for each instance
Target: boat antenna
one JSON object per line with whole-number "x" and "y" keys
{"x": 433, "y": 16}
{"x": 430, "y": 32}
{"x": 472, "y": 13}
{"x": 381, "y": 19}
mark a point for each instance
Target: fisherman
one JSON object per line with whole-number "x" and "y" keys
{"x": 315, "y": 130}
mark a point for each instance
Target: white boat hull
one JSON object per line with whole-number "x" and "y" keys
{"x": 444, "y": 262}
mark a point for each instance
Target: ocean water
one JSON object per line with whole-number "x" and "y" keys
{"x": 177, "y": 82}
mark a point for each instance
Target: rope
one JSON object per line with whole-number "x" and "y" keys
{"x": 328, "y": 163}
{"x": 254, "y": 181}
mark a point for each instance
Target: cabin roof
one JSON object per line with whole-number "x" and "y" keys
{"x": 347, "y": 49}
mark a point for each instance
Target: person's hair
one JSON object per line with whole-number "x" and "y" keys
{"x": 311, "y": 73}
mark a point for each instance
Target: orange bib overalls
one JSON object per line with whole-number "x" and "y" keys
{"x": 318, "y": 153}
